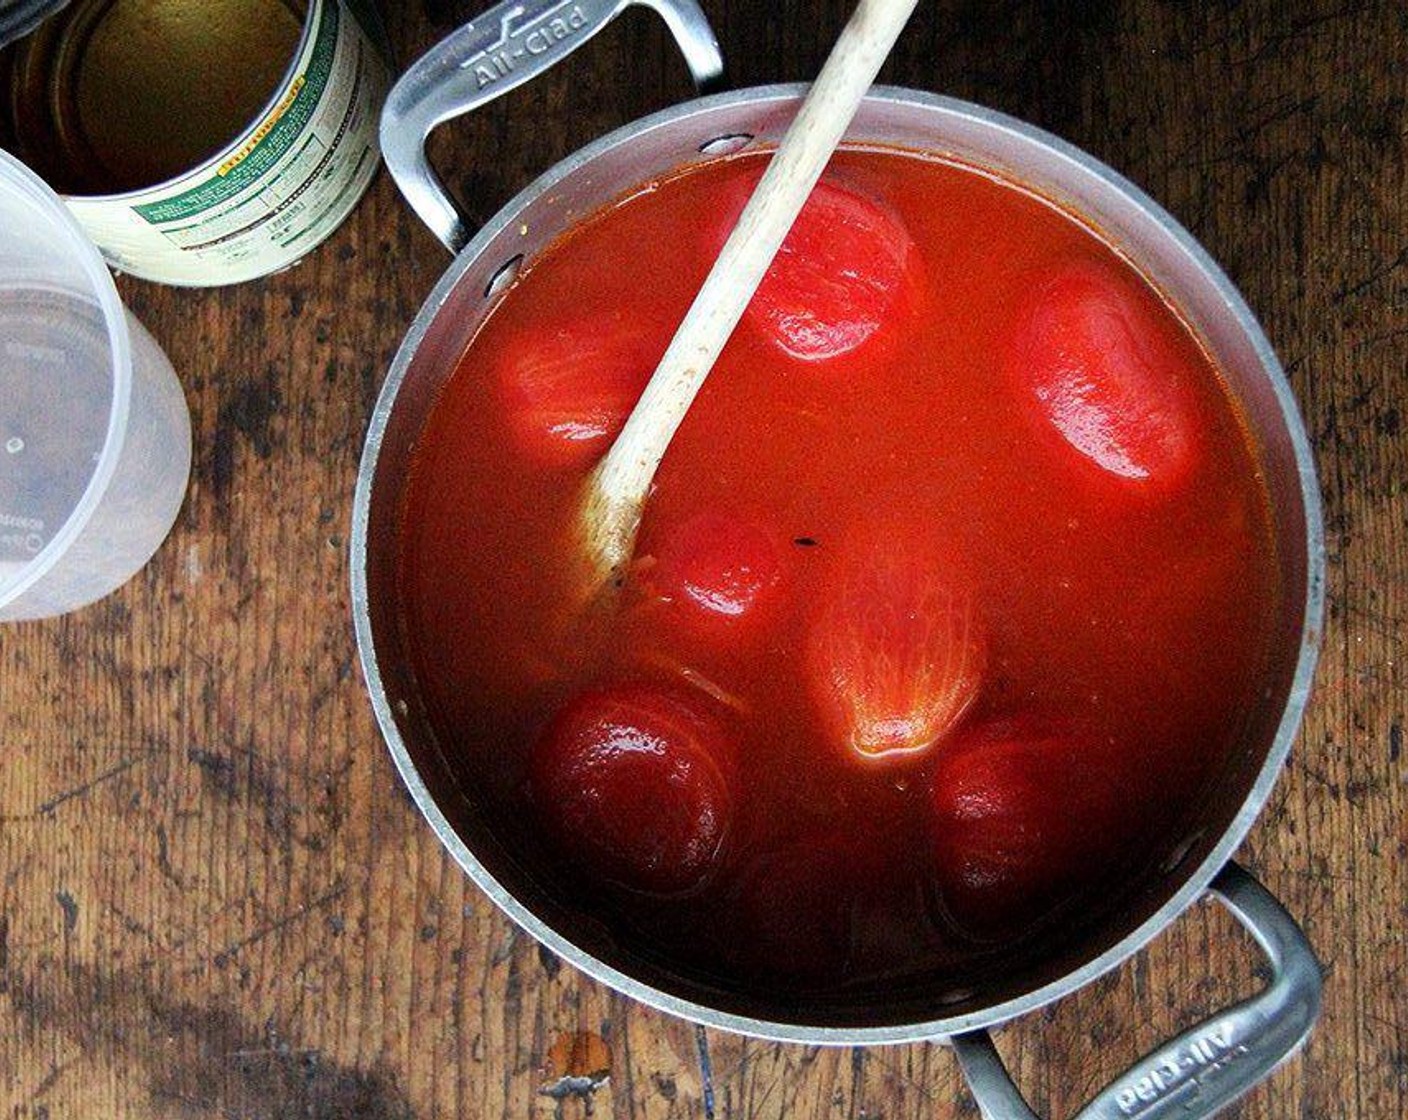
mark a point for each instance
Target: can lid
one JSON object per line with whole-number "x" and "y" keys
{"x": 20, "y": 17}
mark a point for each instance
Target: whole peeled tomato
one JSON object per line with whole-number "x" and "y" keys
{"x": 635, "y": 784}
{"x": 847, "y": 275}
{"x": 566, "y": 388}
{"x": 897, "y": 650}
{"x": 721, "y": 570}
{"x": 1097, "y": 362}
{"x": 1026, "y": 815}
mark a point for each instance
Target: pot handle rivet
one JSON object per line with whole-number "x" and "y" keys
{"x": 501, "y": 49}
{"x": 1208, "y": 1066}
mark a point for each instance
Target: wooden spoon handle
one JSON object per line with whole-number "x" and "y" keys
{"x": 618, "y": 487}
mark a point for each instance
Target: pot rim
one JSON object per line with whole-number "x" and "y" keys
{"x": 1195, "y": 883}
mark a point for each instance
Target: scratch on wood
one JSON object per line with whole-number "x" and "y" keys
{"x": 706, "y": 1069}
{"x": 225, "y": 955}
{"x": 1377, "y": 339}
{"x": 1279, "y": 110}
{"x": 69, "y": 907}
{"x": 506, "y": 947}
{"x": 778, "y": 1063}
{"x": 50, "y": 1080}
{"x": 857, "y": 1078}
{"x": 921, "y": 1083}
{"x": 160, "y": 1093}
{"x": 132, "y": 925}
{"x": 1396, "y": 1028}
{"x": 1349, "y": 290}
{"x": 283, "y": 1050}
{"x": 1277, "y": 39}
{"x": 626, "y": 1063}
{"x": 745, "y": 1085}
{"x": 79, "y": 790}
{"x": 163, "y": 855}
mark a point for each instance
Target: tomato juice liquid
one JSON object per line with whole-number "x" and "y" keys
{"x": 1141, "y": 612}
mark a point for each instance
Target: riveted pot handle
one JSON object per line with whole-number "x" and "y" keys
{"x": 1206, "y": 1067}
{"x": 503, "y": 48}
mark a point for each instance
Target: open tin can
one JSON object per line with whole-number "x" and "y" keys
{"x": 1193, "y": 1075}
{"x": 200, "y": 143}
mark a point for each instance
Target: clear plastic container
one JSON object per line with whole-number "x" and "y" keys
{"x": 95, "y": 438}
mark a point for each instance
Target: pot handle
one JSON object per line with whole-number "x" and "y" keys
{"x": 500, "y": 50}
{"x": 1208, "y": 1066}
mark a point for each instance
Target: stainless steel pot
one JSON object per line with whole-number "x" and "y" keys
{"x": 1194, "y": 1074}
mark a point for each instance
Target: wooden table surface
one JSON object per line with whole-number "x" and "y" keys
{"x": 217, "y": 901}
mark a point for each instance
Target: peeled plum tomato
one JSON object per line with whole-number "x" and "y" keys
{"x": 721, "y": 568}
{"x": 844, "y": 274}
{"x": 1023, "y": 814}
{"x": 567, "y": 389}
{"x": 896, "y": 653}
{"x": 636, "y": 783}
{"x": 1092, "y": 352}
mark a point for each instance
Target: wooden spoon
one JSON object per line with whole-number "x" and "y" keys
{"x": 616, "y": 489}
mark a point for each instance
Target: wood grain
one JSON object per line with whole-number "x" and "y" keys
{"x": 215, "y": 899}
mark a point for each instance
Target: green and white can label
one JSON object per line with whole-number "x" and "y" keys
{"x": 279, "y": 189}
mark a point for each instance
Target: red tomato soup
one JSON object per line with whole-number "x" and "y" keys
{"x": 949, "y": 600}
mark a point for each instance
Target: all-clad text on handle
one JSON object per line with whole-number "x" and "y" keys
{"x": 504, "y": 47}
{"x": 1210, "y": 1065}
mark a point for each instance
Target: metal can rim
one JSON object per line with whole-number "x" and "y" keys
{"x": 214, "y": 160}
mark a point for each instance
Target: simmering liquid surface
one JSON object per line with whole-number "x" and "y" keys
{"x": 960, "y": 566}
